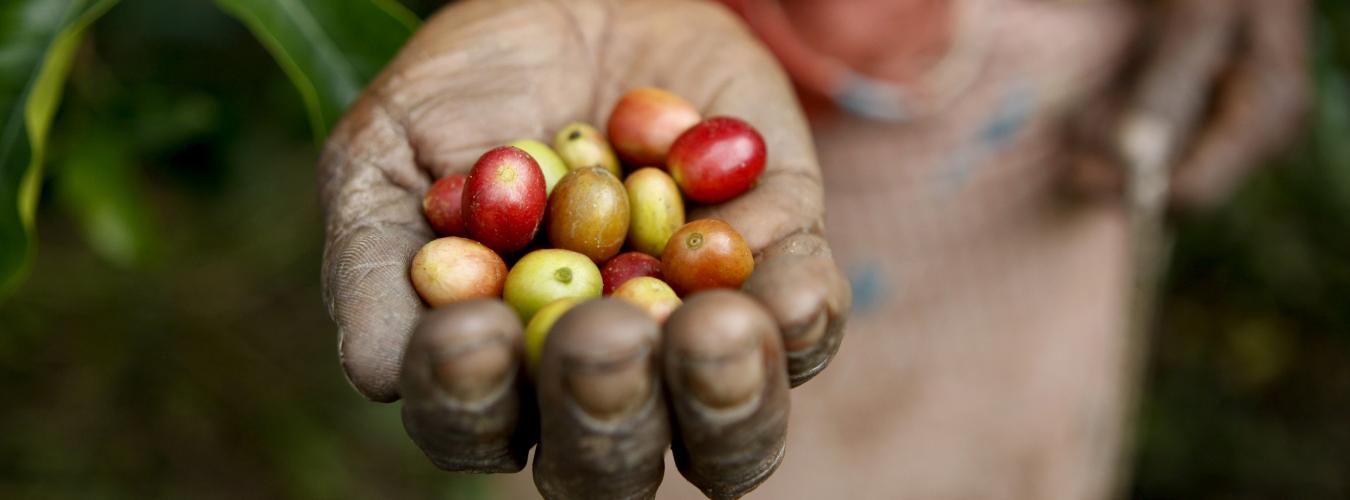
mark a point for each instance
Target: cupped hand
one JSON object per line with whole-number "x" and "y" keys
{"x": 614, "y": 392}
{"x": 1221, "y": 85}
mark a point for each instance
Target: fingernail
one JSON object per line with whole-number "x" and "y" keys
{"x": 805, "y": 336}
{"x": 611, "y": 389}
{"x": 727, "y": 380}
{"x": 474, "y": 371}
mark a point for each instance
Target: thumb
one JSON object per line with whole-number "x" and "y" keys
{"x": 370, "y": 190}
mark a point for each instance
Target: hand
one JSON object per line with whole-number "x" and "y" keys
{"x": 1222, "y": 86}
{"x": 482, "y": 73}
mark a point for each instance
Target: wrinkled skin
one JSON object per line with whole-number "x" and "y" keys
{"x": 483, "y": 73}
{"x": 1012, "y": 341}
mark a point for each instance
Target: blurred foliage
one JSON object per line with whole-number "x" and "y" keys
{"x": 98, "y": 186}
{"x": 37, "y": 40}
{"x": 197, "y": 362}
{"x": 1248, "y": 393}
{"x": 329, "y": 48}
{"x": 188, "y": 355}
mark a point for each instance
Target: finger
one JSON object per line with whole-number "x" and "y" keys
{"x": 785, "y": 208}
{"x": 1190, "y": 42}
{"x": 1093, "y": 170}
{"x": 702, "y": 52}
{"x": 371, "y": 192}
{"x": 728, "y": 389}
{"x": 1258, "y": 108}
{"x": 468, "y": 81}
{"x": 604, "y": 428}
{"x": 809, "y": 299}
{"x": 465, "y": 404}
{"x": 1194, "y": 45}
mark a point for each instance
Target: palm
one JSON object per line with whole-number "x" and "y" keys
{"x": 494, "y": 78}
{"x": 482, "y": 74}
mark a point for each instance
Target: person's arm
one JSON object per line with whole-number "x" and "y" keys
{"x": 1223, "y": 84}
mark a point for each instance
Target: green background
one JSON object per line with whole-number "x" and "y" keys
{"x": 169, "y": 340}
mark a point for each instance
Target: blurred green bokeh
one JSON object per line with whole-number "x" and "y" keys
{"x": 1248, "y": 391}
{"x": 178, "y": 347}
{"x": 181, "y": 350}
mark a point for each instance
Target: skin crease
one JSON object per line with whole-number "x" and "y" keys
{"x": 727, "y": 350}
{"x": 1040, "y": 423}
{"x": 415, "y": 123}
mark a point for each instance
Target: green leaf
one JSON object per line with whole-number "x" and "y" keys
{"x": 329, "y": 49}
{"x": 38, "y": 39}
{"x": 98, "y": 183}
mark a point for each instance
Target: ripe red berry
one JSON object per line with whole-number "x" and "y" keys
{"x": 504, "y": 199}
{"x": 626, "y": 266}
{"x": 444, "y": 205}
{"x": 717, "y": 160}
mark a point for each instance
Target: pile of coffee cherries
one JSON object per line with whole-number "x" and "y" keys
{"x": 569, "y": 210}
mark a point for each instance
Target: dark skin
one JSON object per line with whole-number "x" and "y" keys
{"x": 483, "y": 73}
{"x": 1224, "y": 83}
{"x": 612, "y": 396}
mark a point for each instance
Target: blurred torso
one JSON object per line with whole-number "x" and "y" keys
{"x": 985, "y": 355}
